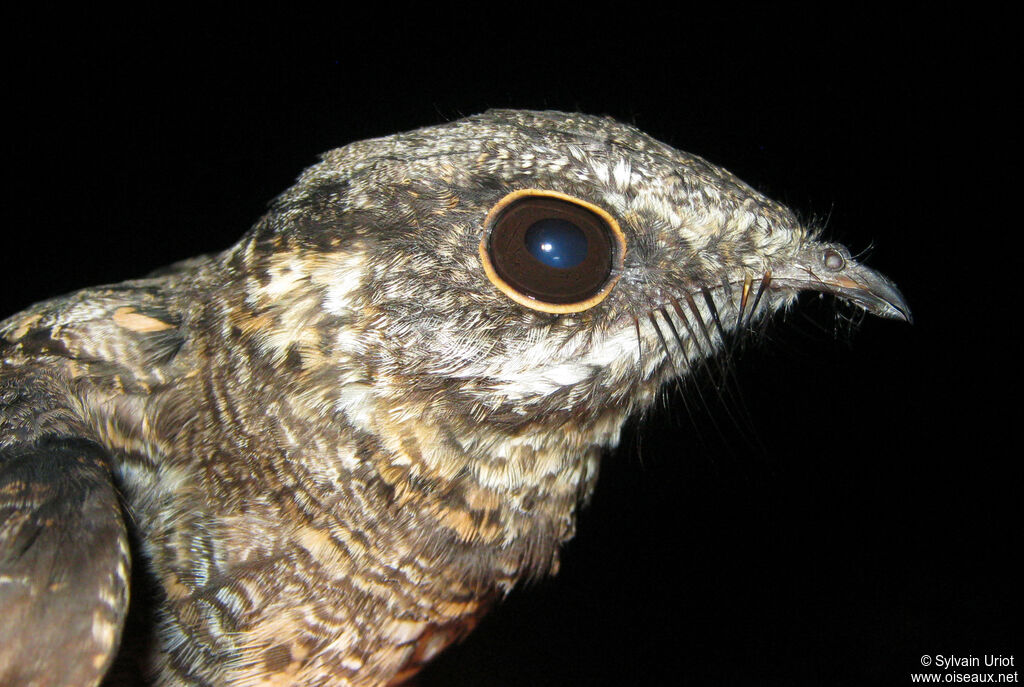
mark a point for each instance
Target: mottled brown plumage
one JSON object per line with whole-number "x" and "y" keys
{"x": 339, "y": 442}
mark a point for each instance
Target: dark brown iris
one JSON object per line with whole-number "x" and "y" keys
{"x": 551, "y": 249}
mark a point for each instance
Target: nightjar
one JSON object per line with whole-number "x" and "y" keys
{"x": 318, "y": 457}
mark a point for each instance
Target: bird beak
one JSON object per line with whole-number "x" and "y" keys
{"x": 827, "y": 268}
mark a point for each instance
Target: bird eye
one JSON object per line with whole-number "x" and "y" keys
{"x": 551, "y": 252}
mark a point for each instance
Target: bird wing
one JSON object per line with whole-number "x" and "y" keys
{"x": 64, "y": 553}
{"x": 64, "y": 563}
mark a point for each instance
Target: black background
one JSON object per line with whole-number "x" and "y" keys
{"x": 857, "y": 507}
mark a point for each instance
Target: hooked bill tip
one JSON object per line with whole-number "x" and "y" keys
{"x": 831, "y": 272}
{"x": 875, "y": 293}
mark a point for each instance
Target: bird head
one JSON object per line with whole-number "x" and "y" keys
{"x": 492, "y": 298}
{"x": 521, "y": 266}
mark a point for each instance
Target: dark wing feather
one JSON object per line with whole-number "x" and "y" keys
{"x": 64, "y": 556}
{"x": 64, "y": 563}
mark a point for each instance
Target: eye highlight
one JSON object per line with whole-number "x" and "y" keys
{"x": 557, "y": 243}
{"x": 551, "y": 252}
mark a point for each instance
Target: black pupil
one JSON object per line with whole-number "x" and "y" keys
{"x": 556, "y": 243}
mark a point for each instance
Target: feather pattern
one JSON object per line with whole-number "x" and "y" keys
{"x": 337, "y": 443}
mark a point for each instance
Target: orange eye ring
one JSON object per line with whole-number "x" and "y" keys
{"x": 511, "y": 260}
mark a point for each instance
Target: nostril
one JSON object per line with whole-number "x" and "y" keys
{"x": 833, "y": 260}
